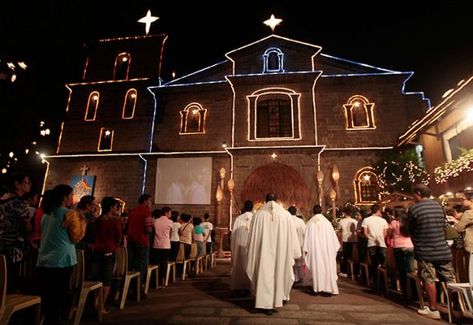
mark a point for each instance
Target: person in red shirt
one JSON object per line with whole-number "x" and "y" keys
{"x": 108, "y": 231}
{"x": 139, "y": 226}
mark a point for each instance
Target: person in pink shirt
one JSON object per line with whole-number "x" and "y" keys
{"x": 162, "y": 242}
{"x": 398, "y": 232}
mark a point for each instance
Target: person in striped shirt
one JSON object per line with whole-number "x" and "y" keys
{"x": 434, "y": 257}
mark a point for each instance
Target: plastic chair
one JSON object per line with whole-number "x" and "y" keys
{"x": 465, "y": 289}
{"x": 83, "y": 288}
{"x": 10, "y": 304}
{"x": 150, "y": 270}
{"x": 170, "y": 266}
{"x": 121, "y": 273}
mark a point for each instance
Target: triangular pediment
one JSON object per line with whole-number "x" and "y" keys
{"x": 298, "y": 57}
{"x": 271, "y": 40}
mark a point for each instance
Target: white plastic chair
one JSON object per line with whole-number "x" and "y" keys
{"x": 465, "y": 289}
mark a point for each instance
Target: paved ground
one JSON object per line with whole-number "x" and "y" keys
{"x": 206, "y": 299}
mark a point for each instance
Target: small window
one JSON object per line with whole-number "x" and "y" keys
{"x": 274, "y": 118}
{"x": 366, "y": 186}
{"x": 420, "y": 155}
{"x": 105, "y": 139}
{"x": 122, "y": 66}
{"x": 129, "y": 104}
{"x": 273, "y": 60}
{"x": 359, "y": 113}
{"x": 92, "y": 106}
{"x": 193, "y": 119}
{"x": 458, "y": 137}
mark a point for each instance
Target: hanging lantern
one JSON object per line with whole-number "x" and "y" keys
{"x": 335, "y": 173}
{"x": 222, "y": 172}
{"x": 231, "y": 184}
{"x": 320, "y": 176}
{"x": 333, "y": 194}
{"x": 219, "y": 194}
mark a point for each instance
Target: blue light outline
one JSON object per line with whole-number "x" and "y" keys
{"x": 280, "y": 55}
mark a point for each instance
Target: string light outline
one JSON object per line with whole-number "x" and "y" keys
{"x": 95, "y": 103}
{"x": 269, "y": 91}
{"x": 130, "y": 92}
{"x": 227, "y": 55}
{"x": 153, "y": 122}
{"x": 233, "y": 109}
{"x": 357, "y": 186}
{"x": 431, "y": 115}
{"x": 185, "y": 114}
{"x": 369, "y": 113}
{"x": 119, "y": 61}
{"x": 314, "y": 105}
{"x": 280, "y": 55}
{"x": 105, "y": 82}
{"x": 102, "y": 135}
{"x": 145, "y": 172}
{"x": 195, "y": 72}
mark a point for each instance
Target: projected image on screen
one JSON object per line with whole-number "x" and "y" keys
{"x": 183, "y": 181}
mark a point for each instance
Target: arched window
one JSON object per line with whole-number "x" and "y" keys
{"x": 366, "y": 186}
{"x": 122, "y": 66}
{"x": 359, "y": 113}
{"x": 129, "y": 104}
{"x": 105, "y": 139}
{"x": 193, "y": 119}
{"x": 92, "y": 106}
{"x": 273, "y": 59}
{"x": 274, "y": 115}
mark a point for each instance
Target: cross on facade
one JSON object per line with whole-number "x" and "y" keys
{"x": 84, "y": 170}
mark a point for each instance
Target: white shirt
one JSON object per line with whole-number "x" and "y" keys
{"x": 376, "y": 226}
{"x": 175, "y": 233}
{"x": 348, "y": 227}
{"x": 208, "y": 227}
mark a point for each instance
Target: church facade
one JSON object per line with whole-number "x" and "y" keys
{"x": 274, "y": 115}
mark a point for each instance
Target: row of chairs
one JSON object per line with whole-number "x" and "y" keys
{"x": 388, "y": 281}
{"x": 79, "y": 288}
{"x": 121, "y": 272}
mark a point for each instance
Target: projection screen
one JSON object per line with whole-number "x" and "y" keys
{"x": 183, "y": 181}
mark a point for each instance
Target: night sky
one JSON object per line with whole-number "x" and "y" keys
{"x": 434, "y": 41}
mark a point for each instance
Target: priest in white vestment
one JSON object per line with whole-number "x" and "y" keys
{"x": 320, "y": 252}
{"x": 299, "y": 265}
{"x": 239, "y": 239}
{"x": 272, "y": 248}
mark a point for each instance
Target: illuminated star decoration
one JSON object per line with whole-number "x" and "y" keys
{"x": 148, "y": 20}
{"x": 272, "y": 22}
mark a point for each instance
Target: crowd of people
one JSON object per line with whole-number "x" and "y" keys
{"x": 273, "y": 248}
{"x": 52, "y": 232}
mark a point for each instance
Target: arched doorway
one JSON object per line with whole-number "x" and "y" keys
{"x": 278, "y": 178}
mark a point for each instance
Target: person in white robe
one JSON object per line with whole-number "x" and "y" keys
{"x": 320, "y": 252}
{"x": 299, "y": 265}
{"x": 272, "y": 248}
{"x": 239, "y": 239}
